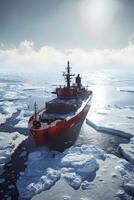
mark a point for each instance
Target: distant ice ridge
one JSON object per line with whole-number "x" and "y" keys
{"x": 45, "y": 168}
{"x": 31, "y": 87}
{"x": 119, "y": 121}
{"x": 127, "y": 150}
{"x": 126, "y": 89}
{"x": 8, "y": 143}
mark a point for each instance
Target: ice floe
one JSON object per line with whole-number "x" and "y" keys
{"x": 126, "y": 89}
{"x": 14, "y": 95}
{"x": 45, "y": 168}
{"x": 127, "y": 172}
{"x": 84, "y": 168}
{"x": 127, "y": 150}
{"x": 8, "y": 143}
{"x": 113, "y": 120}
{"x": 11, "y": 93}
{"x": 114, "y": 178}
{"x": 11, "y": 90}
{"x": 7, "y": 110}
{"x": 23, "y": 119}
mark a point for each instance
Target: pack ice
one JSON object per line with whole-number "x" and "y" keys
{"x": 8, "y": 143}
{"x": 127, "y": 150}
{"x": 86, "y": 169}
{"x": 23, "y": 118}
{"x": 45, "y": 168}
{"x": 10, "y": 92}
{"x": 7, "y": 110}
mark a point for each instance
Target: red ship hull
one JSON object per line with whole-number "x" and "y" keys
{"x": 65, "y": 131}
{"x": 60, "y": 121}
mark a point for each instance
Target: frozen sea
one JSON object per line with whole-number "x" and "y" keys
{"x": 98, "y": 166}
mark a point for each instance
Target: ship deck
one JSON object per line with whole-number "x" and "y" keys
{"x": 55, "y": 117}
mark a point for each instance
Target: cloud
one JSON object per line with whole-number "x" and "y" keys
{"x": 2, "y": 45}
{"x": 131, "y": 39}
{"x": 26, "y": 57}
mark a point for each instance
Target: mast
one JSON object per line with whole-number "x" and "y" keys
{"x": 68, "y": 75}
{"x": 35, "y": 111}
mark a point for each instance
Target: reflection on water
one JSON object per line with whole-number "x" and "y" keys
{"x": 109, "y": 143}
{"x": 100, "y": 97}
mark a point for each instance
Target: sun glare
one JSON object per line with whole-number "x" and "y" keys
{"x": 97, "y": 10}
{"x": 95, "y": 13}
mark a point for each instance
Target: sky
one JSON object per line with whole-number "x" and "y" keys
{"x": 89, "y": 32}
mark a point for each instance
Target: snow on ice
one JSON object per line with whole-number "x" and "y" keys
{"x": 10, "y": 92}
{"x": 114, "y": 177}
{"x": 85, "y": 167}
{"x": 14, "y": 95}
{"x": 127, "y": 150}
{"x": 23, "y": 119}
{"x": 127, "y": 172}
{"x": 74, "y": 165}
{"x": 8, "y": 143}
{"x": 118, "y": 121}
{"x": 7, "y": 110}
